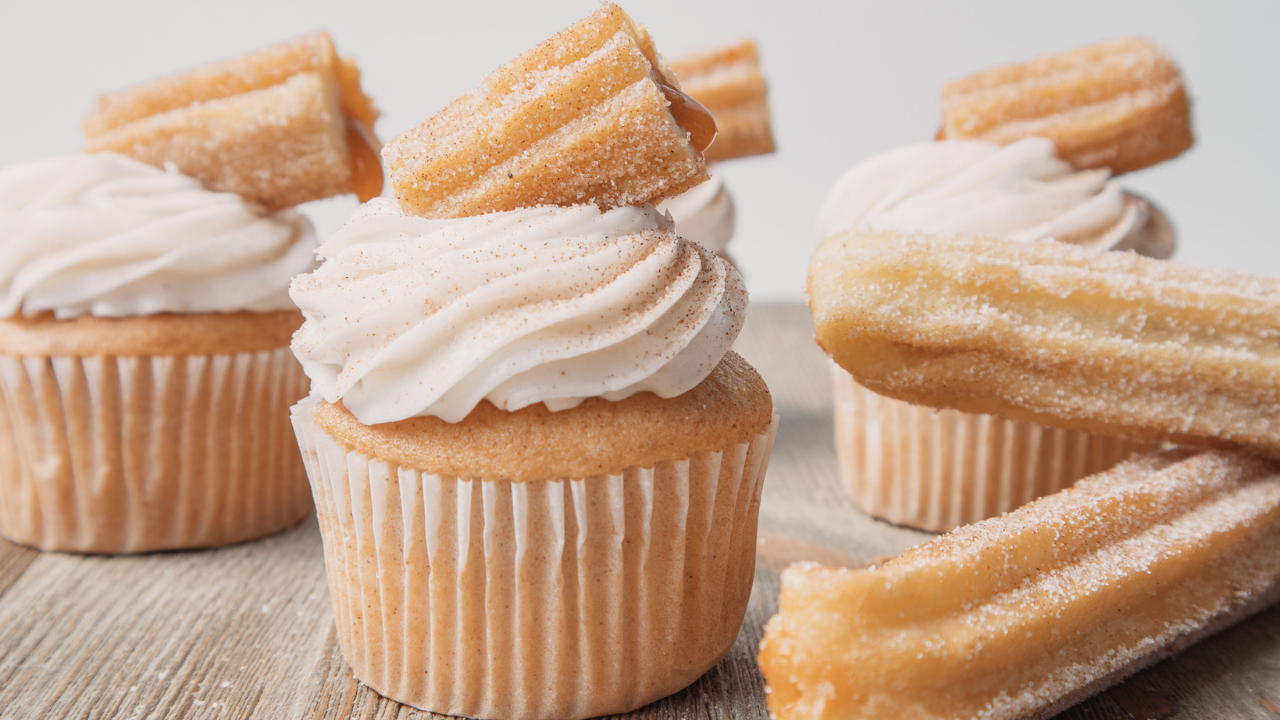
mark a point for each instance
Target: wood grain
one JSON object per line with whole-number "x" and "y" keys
{"x": 14, "y": 559}
{"x": 247, "y": 631}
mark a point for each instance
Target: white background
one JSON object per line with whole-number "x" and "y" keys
{"x": 846, "y": 81}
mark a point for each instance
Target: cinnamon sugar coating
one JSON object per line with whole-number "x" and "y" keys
{"x": 584, "y": 117}
{"x": 1103, "y": 342}
{"x": 1119, "y": 104}
{"x": 1023, "y": 615}
{"x": 159, "y": 334}
{"x": 728, "y": 81}
{"x": 599, "y": 437}
{"x": 279, "y": 126}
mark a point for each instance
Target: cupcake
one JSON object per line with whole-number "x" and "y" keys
{"x": 938, "y": 469}
{"x": 536, "y": 463}
{"x": 144, "y": 341}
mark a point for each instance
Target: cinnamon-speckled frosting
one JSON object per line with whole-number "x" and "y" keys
{"x": 410, "y": 316}
{"x": 703, "y": 214}
{"x": 1021, "y": 191}
{"x": 106, "y": 235}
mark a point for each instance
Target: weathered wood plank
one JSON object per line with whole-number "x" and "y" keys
{"x": 247, "y": 631}
{"x": 14, "y": 559}
{"x": 170, "y": 634}
{"x": 776, "y": 552}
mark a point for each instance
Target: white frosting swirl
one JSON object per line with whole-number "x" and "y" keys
{"x": 703, "y": 214}
{"x": 1021, "y": 191}
{"x": 409, "y": 316}
{"x": 106, "y": 235}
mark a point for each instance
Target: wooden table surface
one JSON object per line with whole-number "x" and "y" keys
{"x": 247, "y": 631}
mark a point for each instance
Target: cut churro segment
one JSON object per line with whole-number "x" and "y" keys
{"x": 280, "y": 126}
{"x": 590, "y": 116}
{"x": 1103, "y": 342}
{"x": 1119, "y": 104}
{"x": 728, "y": 81}
{"x": 1023, "y": 615}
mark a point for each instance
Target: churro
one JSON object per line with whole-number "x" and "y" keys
{"x": 1119, "y": 104}
{"x": 279, "y": 126}
{"x": 1023, "y": 615}
{"x": 728, "y": 81}
{"x": 591, "y": 115}
{"x": 1102, "y": 342}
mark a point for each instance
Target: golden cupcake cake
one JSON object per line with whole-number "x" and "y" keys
{"x": 939, "y": 469}
{"x": 536, "y": 463}
{"x": 145, "y": 371}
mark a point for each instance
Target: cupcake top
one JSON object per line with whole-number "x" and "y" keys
{"x": 703, "y": 214}
{"x": 536, "y": 272}
{"x": 410, "y": 316}
{"x": 1021, "y": 191}
{"x": 106, "y": 235}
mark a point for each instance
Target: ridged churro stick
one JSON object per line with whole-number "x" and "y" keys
{"x": 728, "y": 81}
{"x": 1118, "y": 104}
{"x": 1103, "y": 342}
{"x": 1023, "y": 615}
{"x": 279, "y": 126}
{"x": 591, "y": 115}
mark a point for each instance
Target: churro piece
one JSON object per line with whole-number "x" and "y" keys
{"x": 1103, "y": 342}
{"x": 727, "y": 80}
{"x": 1023, "y": 615}
{"x": 1119, "y": 104}
{"x": 279, "y": 126}
{"x": 591, "y": 115}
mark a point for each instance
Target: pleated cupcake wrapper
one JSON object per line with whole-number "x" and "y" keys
{"x": 550, "y": 599}
{"x": 940, "y": 469}
{"x": 112, "y": 454}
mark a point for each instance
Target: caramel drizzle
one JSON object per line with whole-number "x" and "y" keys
{"x": 689, "y": 114}
{"x": 366, "y": 164}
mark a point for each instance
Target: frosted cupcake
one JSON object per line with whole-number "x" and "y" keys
{"x": 536, "y": 464}
{"x": 938, "y": 469}
{"x": 145, "y": 373}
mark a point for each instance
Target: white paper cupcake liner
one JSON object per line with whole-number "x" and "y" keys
{"x": 940, "y": 469}
{"x": 549, "y": 599}
{"x": 128, "y": 454}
